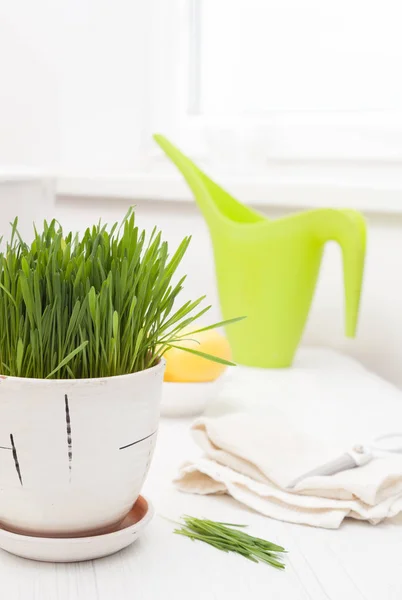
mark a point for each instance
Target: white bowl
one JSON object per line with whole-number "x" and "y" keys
{"x": 188, "y": 399}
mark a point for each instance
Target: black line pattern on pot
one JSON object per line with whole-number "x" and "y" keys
{"x": 5, "y": 448}
{"x": 137, "y": 441}
{"x": 69, "y": 437}
{"x": 15, "y": 457}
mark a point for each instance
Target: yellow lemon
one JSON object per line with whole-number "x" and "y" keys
{"x": 184, "y": 366}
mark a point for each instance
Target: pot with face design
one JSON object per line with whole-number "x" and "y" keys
{"x": 74, "y": 453}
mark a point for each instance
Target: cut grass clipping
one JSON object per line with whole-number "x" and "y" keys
{"x": 227, "y": 537}
{"x": 96, "y": 305}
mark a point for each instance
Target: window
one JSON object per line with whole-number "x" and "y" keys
{"x": 286, "y": 90}
{"x": 252, "y": 82}
{"x": 257, "y": 56}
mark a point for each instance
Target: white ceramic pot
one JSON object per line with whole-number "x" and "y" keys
{"x": 74, "y": 454}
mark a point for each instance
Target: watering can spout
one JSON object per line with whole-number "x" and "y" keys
{"x": 215, "y": 203}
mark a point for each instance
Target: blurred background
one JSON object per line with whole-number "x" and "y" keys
{"x": 289, "y": 104}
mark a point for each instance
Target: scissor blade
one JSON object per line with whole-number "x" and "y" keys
{"x": 342, "y": 463}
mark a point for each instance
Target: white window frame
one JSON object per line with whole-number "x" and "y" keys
{"x": 307, "y": 158}
{"x": 374, "y": 136}
{"x": 318, "y": 135}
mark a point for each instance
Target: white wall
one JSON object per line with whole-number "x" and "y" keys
{"x": 28, "y": 90}
{"x": 379, "y": 340}
{"x": 73, "y": 75}
{"x": 29, "y": 199}
{"x": 103, "y": 94}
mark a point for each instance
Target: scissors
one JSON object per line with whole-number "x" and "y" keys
{"x": 359, "y": 455}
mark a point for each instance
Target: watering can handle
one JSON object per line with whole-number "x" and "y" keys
{"x": 348, "y": 229}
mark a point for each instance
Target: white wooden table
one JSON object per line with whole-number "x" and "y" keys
{"x": 356, "y": 562}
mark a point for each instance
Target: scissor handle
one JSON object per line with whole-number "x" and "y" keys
{"x": 361, "y": 454}
{"x": 395, "y": 447}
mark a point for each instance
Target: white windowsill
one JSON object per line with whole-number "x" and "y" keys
{"x": 20, "y": 175}
{"x": 252, "y": 190}
{"x": 256, "y": 190}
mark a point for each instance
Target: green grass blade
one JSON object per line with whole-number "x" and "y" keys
{"x": 20, "y": 355}
{"x": 227, "y": 538}
{"x": 210, "y": 357}
{"x": 67, "y": 359}
{"x": 216, "y": 325}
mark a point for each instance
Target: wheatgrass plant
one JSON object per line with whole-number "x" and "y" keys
{"x": 96, "y": 305}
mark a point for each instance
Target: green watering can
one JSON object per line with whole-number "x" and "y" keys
{"x": 267, "y": 270}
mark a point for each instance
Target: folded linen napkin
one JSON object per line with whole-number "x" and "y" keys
{"x": 255, "y": 456}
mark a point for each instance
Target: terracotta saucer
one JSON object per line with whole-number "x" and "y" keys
{"x": 63, "y": 549}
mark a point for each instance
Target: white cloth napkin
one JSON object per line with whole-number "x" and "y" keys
{"x": 277, "y": 425}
